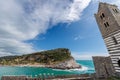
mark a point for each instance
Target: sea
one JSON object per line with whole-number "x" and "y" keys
{"x": 87, "y": 67}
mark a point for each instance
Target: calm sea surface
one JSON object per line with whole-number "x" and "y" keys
{"x": 87, "y": 67}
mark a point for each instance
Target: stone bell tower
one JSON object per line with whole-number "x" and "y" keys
{"x": 108, "y": 20}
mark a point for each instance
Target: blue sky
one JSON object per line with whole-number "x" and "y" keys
{"x": 35, "y": 25}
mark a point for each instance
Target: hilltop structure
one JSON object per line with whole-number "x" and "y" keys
{"x": 108, "y": 20}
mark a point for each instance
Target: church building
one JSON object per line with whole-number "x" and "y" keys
{"x": 108, "y": 20}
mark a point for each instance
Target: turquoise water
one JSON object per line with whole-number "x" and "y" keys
{"x": 87, "y": 67}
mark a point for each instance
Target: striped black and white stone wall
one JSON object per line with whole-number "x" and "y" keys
{"x": 113, "y": 46}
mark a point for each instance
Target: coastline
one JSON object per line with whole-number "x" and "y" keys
{"x": 68, "y": 64}
{"x": 59, "y": 58}
{"x": 33, "y": 71}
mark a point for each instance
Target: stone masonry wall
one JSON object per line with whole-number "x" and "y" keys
{"x": 103, "y": 67}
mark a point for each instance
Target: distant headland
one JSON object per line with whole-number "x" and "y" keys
{"x": 57, "y": 58}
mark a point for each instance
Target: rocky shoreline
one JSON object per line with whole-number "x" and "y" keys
{"x": 68, "y": 64}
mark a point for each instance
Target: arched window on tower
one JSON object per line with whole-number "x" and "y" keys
{"x": 103, "y": 15}
{"x": 115, "y": 10}
{"x": 115, "y": 40}
{"x": 106, "y": 24}
{"x": 119, "y": 62}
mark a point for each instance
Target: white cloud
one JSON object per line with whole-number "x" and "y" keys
{"x": 116, "y": 2}
{"x": 87, "y": 55}
{"x": 76, "y": 8}
{"x": 22, "y": 20}
{"x": 78, "y": 37}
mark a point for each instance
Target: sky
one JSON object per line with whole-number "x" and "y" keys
{"x": 28, "y": 26}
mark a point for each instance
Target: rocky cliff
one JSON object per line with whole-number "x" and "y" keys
{"x": 68, "y": 64}
{"x": 57, "y": 58}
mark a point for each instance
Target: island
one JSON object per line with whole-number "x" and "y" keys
{"x": 59, "y": 58}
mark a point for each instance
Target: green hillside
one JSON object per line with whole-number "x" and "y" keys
{"x": 45, "y": 57}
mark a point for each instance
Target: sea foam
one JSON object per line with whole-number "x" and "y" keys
{"x": 83, "y": 68}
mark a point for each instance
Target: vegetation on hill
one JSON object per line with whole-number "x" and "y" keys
{"x": 44, "y": 57}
